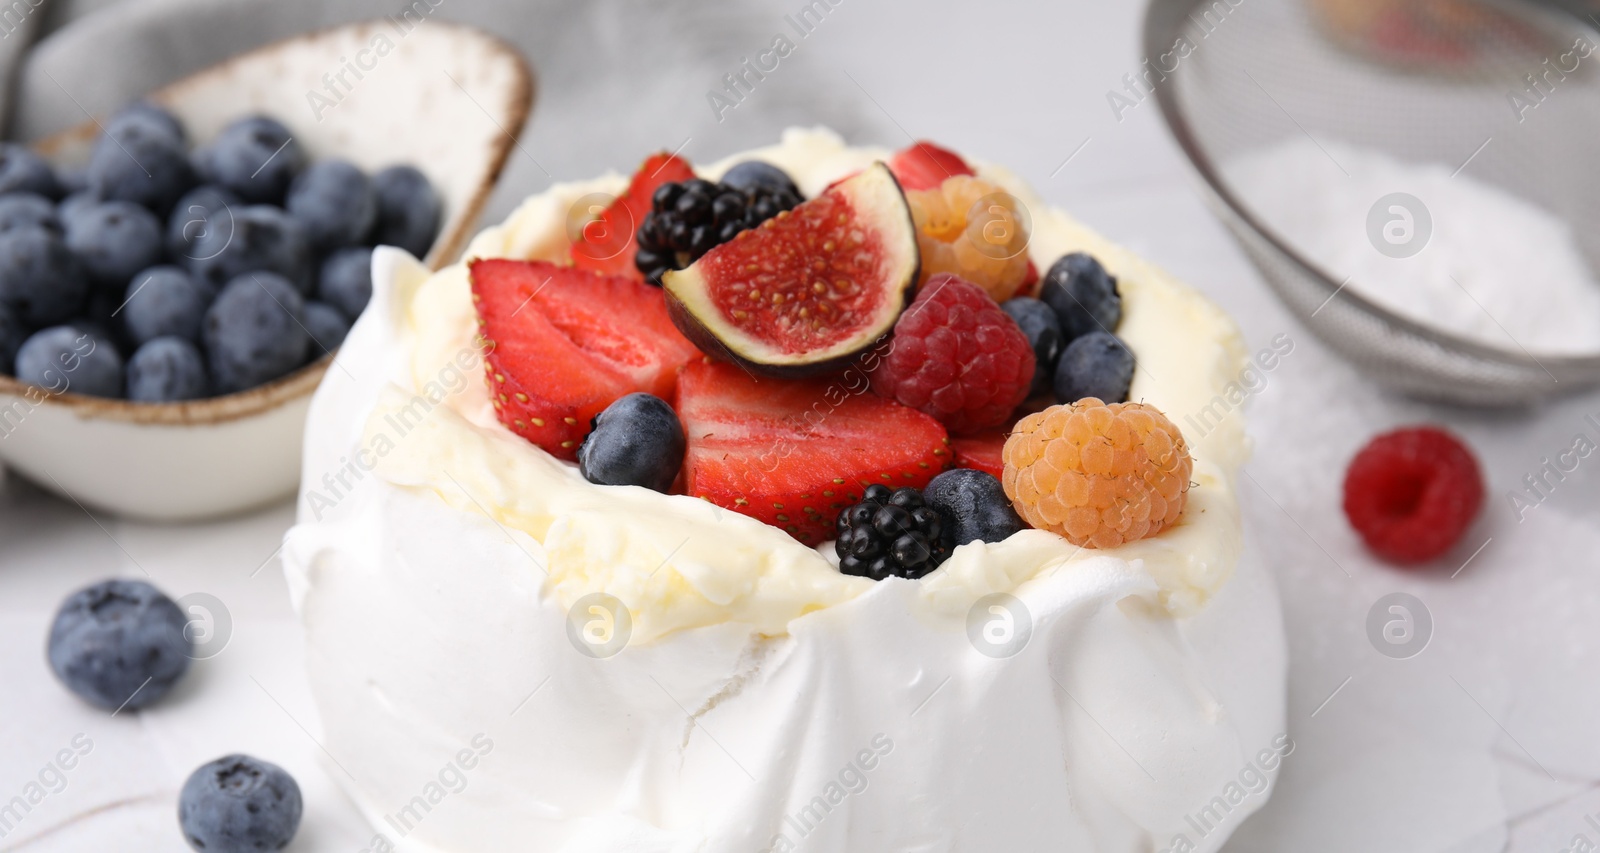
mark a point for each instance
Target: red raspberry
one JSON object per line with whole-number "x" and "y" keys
{"x": 1412, "y": 493}
{"x": 957, "y": 357}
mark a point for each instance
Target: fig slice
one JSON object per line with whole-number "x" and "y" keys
{"x": 810, "y": 289}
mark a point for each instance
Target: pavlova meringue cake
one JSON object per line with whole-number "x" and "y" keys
{"x": 509, "y": 655}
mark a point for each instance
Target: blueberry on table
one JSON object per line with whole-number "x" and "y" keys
{"x": 255, "y": 238}
{"x": 164, "y": 301}
{"x": 409, "y": 211}
{"x": 1039, "y": 322}
{"x": 73, "y": 359}
{"x": 255, "y": 157}
{"x": 115, "y": 240}
{"x": 1095, "y": 365}
{"x": 974, "y": 506}
{"x": 166, "y": 370}
{"x": 41, "y": 280}
{"x": 636, "y": 441}
{"x": 345, "y": 281}
{"x": 327, "y": 327}
{"x": 335, "y": 203}
{"x": 1083, "y": 295}
{"x": 119, "y": 644}
{"x": 203, "y": 209}
{"x": 152, "y": 171}
{"x": 20, "y": 209}
{"x": 255, "y": 332}
{"x": 23, "y": 171}
{"x": 239, "y": 804}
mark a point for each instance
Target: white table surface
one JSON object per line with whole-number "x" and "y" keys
{"x": 1484, "y": 742}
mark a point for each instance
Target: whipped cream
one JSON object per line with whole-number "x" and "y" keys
{"x": 438, "y": 556}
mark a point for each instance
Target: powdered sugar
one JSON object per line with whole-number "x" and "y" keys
{"x": 1439, "y": 248}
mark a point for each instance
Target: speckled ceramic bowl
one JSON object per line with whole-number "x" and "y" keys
{"x": 444, "y": 98}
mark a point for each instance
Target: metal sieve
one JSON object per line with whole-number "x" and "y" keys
{"x": 1482, "y": 85}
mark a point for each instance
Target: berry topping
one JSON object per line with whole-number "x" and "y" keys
{"x": 1098, "y": 474}
{"x": 636, "y": 441}
{"x": 974, "y": 506}
{"x": 1083, "y": 295}
{"x": 890, "y": 533}
{"x": 1039, "y": 323}
{"x": 606, "y": 243}
{"x": 957, "y": 357}
{"x": 971, "y": 227}
{"x": 795, "y": 454}
{"x": 808, "y": 290}
{"x": 981, "y": 452}
{"x": 689, "y": 219}
{"x": 924, "y": 166}
{"x": 239, "y": 804}
{"x": 1412, "y": 493}
{"x": 562, "y": 344}
{"x": 753, "y": 174}
{"x": 1095, "y": 365}
{"x": 119, "y": 644}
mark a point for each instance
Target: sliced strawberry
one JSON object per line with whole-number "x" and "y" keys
{"x": 924, "y": 166}
{"x": 607, "y": 244}
{"x": 795, "y": 454}
{"x": 981, "y": 452}
{"x": 561, "y": 344}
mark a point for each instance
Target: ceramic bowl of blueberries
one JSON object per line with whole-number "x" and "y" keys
{"x": 176, "y": 277}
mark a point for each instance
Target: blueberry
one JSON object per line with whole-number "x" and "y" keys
{"x": 974, "y": 506}
{"x": 1083, "y": 295}
{"x": 1043, "y": 329}
{"x": 753, "y": 174}
{"x": 22, "y": 171}
{"x": 1095, "y": 365}
{"x": 409, "y": 210}
{"x": 75, "y": 204}
{"x": 142, "y": 118}
{"x": 637, "y": 441}
{"x": 255, "y": 157}
{"x": 72, "y": 179}
{"x": 166, "y": 370}
{"x": 19, "y": 209}
{"x": 12, "y": 334}
{"x": 346, "y": 280}
{"x": 239, "y": 804}
{"x": 119, "y": 643}
{"x": 151, "y": 170}
{"x": 40, "y": 278}
{"x": 71, "y": 358}
{"x": 334, "y": 201}
{"x": 327, "y": 327}
{"x": 255, "y": 332}
{"x": 115, "y": 240}
{"x": 164, "y": 301}
{"x": 261, "y": 238}
{"x": 203, "y": 209}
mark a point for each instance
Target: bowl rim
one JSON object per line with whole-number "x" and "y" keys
{"x": 303, "y": 380}
{"x": 1160, "y": 28}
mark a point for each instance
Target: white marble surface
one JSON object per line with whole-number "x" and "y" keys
{"x": 1484, "y": 742}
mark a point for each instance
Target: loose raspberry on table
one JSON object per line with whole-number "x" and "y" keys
{"x": 1412, "y": 493}
{"x": 1098, "y": 474}
{"x": 958, "y": 357}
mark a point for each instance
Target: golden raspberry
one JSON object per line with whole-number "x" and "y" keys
{"x": 972, "y": 228}
{"x": 1099, "y": 475}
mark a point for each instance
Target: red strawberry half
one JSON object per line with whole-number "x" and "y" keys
{"x": 924, "y": 166}
{"x": 981, "y": 452}
{"x": 607, "y": 244}
{"x": 561, "y": 344}
{"x": 795, "y": 454}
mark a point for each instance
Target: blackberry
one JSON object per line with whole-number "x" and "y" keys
{"x": 891, "y": 533}
{"x": 688, "y": 219}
